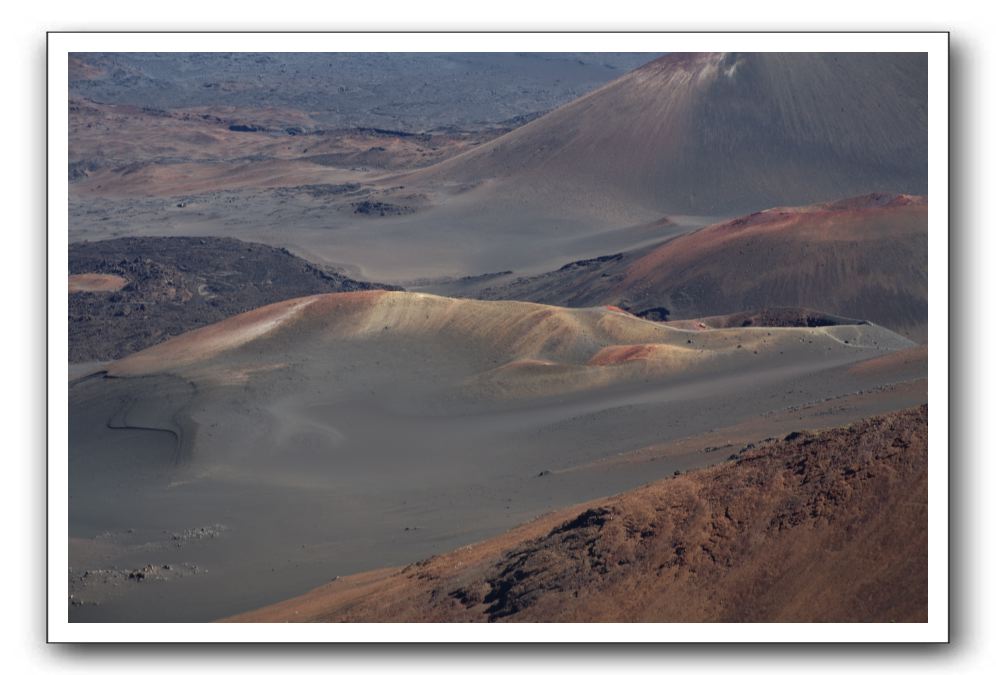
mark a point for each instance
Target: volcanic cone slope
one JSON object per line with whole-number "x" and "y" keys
{"x": 863, "y": 257}
{"x": 719, "y": 134}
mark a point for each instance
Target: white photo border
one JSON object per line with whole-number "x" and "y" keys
{"x": 61, "y": 44}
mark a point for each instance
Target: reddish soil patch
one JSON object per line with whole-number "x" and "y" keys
{"x": 95, "y": 283}
{"x": 893, "y": 362}
{"x": 616, "y": 354}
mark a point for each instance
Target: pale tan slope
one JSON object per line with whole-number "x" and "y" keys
{"x": 507, "y": 348}
{"x": 717, "y": 134}
{"x": 826, "y": 526}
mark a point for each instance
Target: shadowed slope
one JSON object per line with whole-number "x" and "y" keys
{"x": 827, "y": 526}
{"x": 719, "y": 133}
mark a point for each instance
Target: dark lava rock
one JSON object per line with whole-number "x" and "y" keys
{"x": 374, "y": 208}
{"x": 655, "y": 314}
{"x": 176, "y": 284}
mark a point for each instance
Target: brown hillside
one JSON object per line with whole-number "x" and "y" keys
{"x": 827, "y": 526}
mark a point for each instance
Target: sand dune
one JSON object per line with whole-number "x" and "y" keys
{"x": 827, "y": 526}
{"x": 508, "y": 346}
